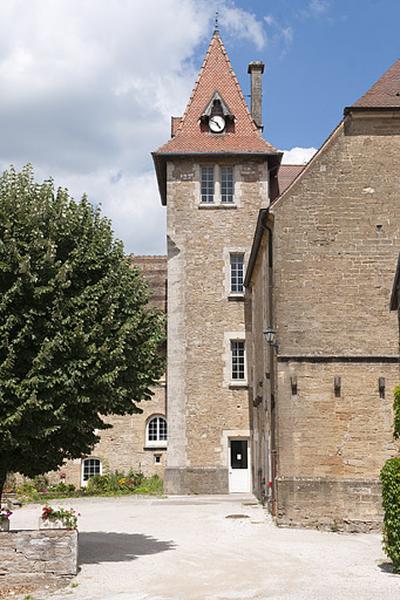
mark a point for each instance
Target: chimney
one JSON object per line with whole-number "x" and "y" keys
{"x": 256, "y": 70}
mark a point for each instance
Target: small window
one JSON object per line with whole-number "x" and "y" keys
{"x": 237, "y": 269}
{"x": 227, "y": 185}
{"x": 156, "y": 432}
{"x": 207, "y": 185}
{"x": 237, "y": 360}
{"x": 157, "y": 459}
{"x": 90, "y": 467}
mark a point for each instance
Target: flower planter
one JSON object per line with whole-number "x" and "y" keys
{"x": 4, "y": 524}
{"x": 51, "y": 524}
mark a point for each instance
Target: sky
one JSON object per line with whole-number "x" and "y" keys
{"x": 88, "y": 86}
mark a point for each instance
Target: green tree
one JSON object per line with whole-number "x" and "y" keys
{"x": 390, "y": 478}
{"x": 78, "y": 340}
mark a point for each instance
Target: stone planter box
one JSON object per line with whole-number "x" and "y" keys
{"x": 5, "y": 525}
{"x": 38, "y": 556}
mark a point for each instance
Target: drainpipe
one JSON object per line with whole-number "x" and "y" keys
{"x": 272, "y": 375}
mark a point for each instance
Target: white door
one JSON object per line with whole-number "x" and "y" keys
{"x": 239, "y": 465}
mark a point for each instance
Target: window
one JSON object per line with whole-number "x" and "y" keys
{"x": 156, "y": 434}
{"x": 237, "y": 270}
{"x": 237, "y": 360}
{"x": 90, "y": 467}
{"x": 217, "y": 186}
{"x": 207, "y": 185}
{"x": 227, "y": 185}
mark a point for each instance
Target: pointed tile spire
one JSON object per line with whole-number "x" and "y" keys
{"x": 216, "y": 76}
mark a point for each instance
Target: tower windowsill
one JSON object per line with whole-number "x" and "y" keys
{"x": 217, "y": 206}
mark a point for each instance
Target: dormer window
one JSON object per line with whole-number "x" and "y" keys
{"x": 216, "y": 117}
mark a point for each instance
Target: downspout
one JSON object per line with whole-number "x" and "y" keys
{"x": 272, "y": 375}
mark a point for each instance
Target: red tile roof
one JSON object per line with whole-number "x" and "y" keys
{"x": 287, "y": 174}
{"x": 385, "y": 93}
{"x": 216, "y": 75}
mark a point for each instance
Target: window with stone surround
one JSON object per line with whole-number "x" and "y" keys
{"x": 156, "y": 432}
{"x": 207, "y": 185}
{"x": 217, "y": 186}
{"x": 227, "y": 188}
{"x": 236, "y": 272}
{"x": 90, "y": 467}
{"x": 238, "y": 363}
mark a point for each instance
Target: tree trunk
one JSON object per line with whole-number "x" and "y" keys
{"x": 3, "y": 477}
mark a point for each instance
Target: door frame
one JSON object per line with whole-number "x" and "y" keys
{"x": 245, "y": 438}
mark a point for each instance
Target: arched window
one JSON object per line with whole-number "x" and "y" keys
{"x": 156, "y": 432}
{"x": 90, "y": 467}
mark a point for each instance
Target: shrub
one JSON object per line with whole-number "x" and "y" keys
{"x": 152, "y": 485}
{"x": 114, "y": 483}
{"x": 390, "y": 478}
{"x": 10, "y": 484}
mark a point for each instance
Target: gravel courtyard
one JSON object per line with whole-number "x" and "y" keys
{"x": 184, "y": 548}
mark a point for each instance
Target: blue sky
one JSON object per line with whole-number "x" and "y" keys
{"x": 89, "y": 94}
{"x": 320, "y": 57}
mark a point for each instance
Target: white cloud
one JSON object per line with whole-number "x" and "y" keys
{"x": 318, "y": 6}
{"x": 88, "y": 89}
{"x": 279, "y": 32}
{"x": 298, "y": 156}
{"x": 245, "y": 25}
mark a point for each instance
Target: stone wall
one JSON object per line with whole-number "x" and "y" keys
{"x": 203, "y": 404}
{"x": 32, "y": 557}
{"x": 334, "y": 504}
{"x": 336, "y": 238}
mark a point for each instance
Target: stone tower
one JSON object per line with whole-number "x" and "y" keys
{"x": 214, "y": 175}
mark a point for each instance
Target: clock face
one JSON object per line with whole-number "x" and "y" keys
{"x": 216, "y": 124}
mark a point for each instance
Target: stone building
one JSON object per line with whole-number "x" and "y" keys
{"x": 282, "y": 349}
{"x": 214, "y": 175}
{"x": 318, "y": 283}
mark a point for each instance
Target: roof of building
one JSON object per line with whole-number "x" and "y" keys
{"x": 394, "y": 300}
{"x": 384, "y": 93}
{"x": 154, "y": 269}
{"x": 287, "y": 174}
{"x": 216, "y": 75}
{"x": 189, "y": 134}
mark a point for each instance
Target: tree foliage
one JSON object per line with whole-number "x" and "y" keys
{"x": 77, "y": 339}
{"x": 390, "y": 478}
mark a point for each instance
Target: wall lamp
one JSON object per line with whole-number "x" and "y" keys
{"x": 270, "y": 338}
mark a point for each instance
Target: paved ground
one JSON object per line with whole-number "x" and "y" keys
{"x": 184, "y": 548}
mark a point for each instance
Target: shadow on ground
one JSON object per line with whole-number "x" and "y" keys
{"x": 98, "y": 546}
{"x": 386, "y": 567}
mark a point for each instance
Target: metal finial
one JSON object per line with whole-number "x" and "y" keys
{"x": 216, "y": 24}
